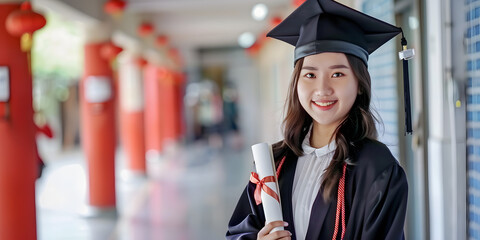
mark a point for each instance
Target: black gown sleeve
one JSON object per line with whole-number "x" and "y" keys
{"x": 247, "y": 218}
{"x": 386, "y": 205}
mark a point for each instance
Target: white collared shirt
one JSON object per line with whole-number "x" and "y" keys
{"x": 307, "y": 181}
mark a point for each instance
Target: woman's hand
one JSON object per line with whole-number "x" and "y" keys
{"x": 278, "y": 235}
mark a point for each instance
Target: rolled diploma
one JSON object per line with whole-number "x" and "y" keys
{"x": 265, "y": 166}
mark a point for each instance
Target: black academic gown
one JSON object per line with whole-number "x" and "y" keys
{"x": 375, "y": 199}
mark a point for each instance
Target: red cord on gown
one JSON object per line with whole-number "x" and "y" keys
{"x": 340, "y": 205}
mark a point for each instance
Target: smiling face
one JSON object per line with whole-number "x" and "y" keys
{"x": 327, "y": 88}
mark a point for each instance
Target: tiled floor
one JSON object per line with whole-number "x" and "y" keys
{"x": 189, "y": 194}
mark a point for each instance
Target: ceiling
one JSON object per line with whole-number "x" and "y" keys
{"x": 187, "y": 23}
{"x": 205, "y": 23}
{"x": 191, "y": 24}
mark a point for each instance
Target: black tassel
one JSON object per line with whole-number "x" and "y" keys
{"x": 406, "y": 91}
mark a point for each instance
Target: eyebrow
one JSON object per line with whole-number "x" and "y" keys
{"x": 338, "y": 66}
{"x": 309, "y": 68}
{"x": 331, "y": 67}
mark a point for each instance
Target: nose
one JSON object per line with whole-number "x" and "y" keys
{"x": 323, "y": 87}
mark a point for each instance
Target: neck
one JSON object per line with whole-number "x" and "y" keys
{"x": 321, "y": 135}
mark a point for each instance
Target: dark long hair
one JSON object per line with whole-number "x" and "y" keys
{"x": 359, "y": 124}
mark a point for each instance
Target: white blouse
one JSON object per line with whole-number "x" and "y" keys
{"x": 307, "y": 181}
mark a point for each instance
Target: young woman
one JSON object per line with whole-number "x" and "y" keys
{"x": 336, "y": 181}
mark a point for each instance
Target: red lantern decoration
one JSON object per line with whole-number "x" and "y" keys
{"x": 145, "y": 29}
{"x": 24, "y": 22}
{"x": 114, "y": 7}
{"x": 297, "y": 3}
{"x": 161, "y": 40}
{"x": 110, "y": 51}
{"x": 141, "y": 62}
{"x": 275, "y": 21}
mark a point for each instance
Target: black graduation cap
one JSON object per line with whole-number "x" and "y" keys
{"x": 327, "y": 26}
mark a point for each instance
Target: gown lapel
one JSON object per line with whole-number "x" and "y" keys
{"x": 317, "y": 216}
{"x": 286, "y": 184}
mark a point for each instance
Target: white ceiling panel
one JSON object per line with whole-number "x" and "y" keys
{"x": 205, "y": 23}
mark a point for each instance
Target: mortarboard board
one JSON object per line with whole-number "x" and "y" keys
{"x": 327, "y": 26}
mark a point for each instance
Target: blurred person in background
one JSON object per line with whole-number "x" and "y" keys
{"x": 210, "y": 113}
{"x": 230, "y": 115}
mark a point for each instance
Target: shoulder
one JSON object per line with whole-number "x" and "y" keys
{"x": 373, "y": 157}
{"x": 369, "y": 148}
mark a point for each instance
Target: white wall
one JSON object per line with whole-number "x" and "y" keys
{"x": 446, "y": 169}
{"x": 276, "y": 67}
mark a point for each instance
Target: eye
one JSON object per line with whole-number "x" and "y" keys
{"x": 309, "y": 75}
{"x": 338, "y": 74}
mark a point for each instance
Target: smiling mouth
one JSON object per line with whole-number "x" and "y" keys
{"x": 324, "y": 104}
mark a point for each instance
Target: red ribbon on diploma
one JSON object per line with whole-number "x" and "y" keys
{"x": 261, "y": 185}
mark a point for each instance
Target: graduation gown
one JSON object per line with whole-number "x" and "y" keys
{"x": 375, "y": 199}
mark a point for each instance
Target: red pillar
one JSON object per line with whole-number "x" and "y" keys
{"x": 179, "y": 93}
{"x": 153, "y": 111}
{"x": 98, "y": 127}
{"x": 168, "y": 104}
{"x": 171, "y": 87}
{"x": 134, "y": 141}
{"x": 17, "y": 141}
{"x": 132, "y": 113}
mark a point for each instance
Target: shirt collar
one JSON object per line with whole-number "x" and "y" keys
{"x": 308, "y": 149}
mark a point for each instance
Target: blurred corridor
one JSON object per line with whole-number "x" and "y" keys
{"x": 188, "y": 195}
{"x": 141, "y": 113}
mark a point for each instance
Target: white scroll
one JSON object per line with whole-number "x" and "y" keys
{"x": 265, "y": 166}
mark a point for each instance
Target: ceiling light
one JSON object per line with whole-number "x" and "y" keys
{"x": 259, "y": 11}
{"x": 246, "y": 39}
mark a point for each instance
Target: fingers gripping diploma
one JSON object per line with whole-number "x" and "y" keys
{"x": 266, "y": 232}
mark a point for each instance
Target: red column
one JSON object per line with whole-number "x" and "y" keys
{"x": 168, "y": 104}
{"x": 171, "y": 92}
{"x": 17, "y": 141}
{"x": 179, "y": 89}
{"x": 153, "y": 111}
{"x": 134, "y": 140}
{"x": 131, "y": 113}
{"x": 98, "y": 127}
